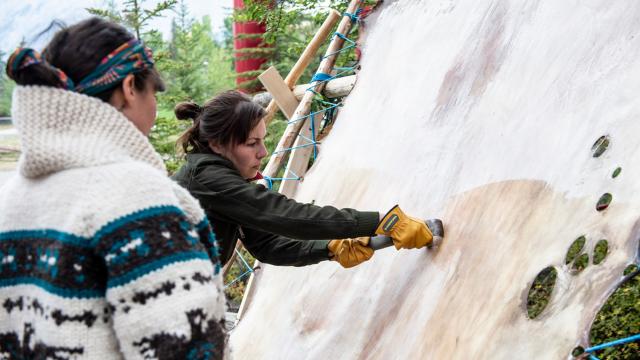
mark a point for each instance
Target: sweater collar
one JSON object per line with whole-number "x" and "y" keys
{"x": 62, "y": 130}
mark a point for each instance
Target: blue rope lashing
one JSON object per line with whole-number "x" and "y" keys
{"x": 241, "y": 276}
{"x": 321, "y": 77}
{"x": 613, "y": 343}
{"x": 290, "y": 149}
{"x": 342, "y": 36}
{"x": 302, "y": 118}
{"x": 269, "y": 181}
{"x": 354, "y": 17}
{"x": 345, "y": 38}
{"x": 344, "y": 68}
{"x": 246, "y": 264}
{"x": 313, "y": 138}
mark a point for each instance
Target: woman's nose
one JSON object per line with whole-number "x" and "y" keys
{"x": 263, "y": 152}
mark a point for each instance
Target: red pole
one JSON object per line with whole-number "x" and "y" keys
{"x": 245, "y": 61}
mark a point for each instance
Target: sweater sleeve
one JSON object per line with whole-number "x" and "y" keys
{"x": 279, "y": 250}
{"x": 223, "y": 191}
{"x": 163, "y": 285}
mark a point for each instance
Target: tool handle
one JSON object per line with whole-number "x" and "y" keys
{"x": 380, "y": 242}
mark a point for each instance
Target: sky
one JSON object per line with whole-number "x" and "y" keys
{"x": 27, "y": 18}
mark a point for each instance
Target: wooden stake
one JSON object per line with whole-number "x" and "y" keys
{"x": 280, "y": 92}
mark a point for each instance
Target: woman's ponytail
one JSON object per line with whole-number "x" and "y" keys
{"x": 190, "y": 139}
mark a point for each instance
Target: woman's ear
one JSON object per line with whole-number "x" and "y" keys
{"x": 128, "y": 90}
{"x": 123, "y": 96}
{"x": 217, "y": 148}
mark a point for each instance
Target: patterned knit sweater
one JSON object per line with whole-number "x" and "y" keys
{"x": 102, "y": 256}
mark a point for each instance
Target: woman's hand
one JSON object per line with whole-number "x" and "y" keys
{"x": 350, "y": 252}
{"x": 408, "y": 232}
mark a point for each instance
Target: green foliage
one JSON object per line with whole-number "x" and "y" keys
{"x": 600, "y": 146}
{"x": 630, "y": 269}
{"x": 227, "y": 35}
{"x": 163, "y": 137}
{"x": 248, "y": 36}
{"x": 292, "y": 41}
{"x": 286, "y": 13}
{"x": 600, "y": 251}
{"x": 291, "y": 25}
{"x": 616, "y": 172}
{"x": 133, "y": 15}
{"x": 581, "y": 263}
{"x": 276, "y": 129}
{"x": 194, "y": 68}
{"x": 619, "y": 318}
{"x": 575, "y": 249}
{"x": 193, "y": 65}
{"x": 250, "y": 53}
{"x": 6, "y": 88}
{"x": 235, "y": 291}
{"x": 540, "y": 291}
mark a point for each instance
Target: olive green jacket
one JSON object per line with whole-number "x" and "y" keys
{"x": 273, "y": 228}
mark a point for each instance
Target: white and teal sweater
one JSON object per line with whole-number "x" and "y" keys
{"x": 102, "y": 256}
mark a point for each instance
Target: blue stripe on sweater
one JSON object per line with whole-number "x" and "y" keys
{"x": 47, "y": 286}
{"x": 139, "y": 215}
{"x": 155, "y": 265}
{"x": 113, "y": 282}
{"x": 47, "y": 234}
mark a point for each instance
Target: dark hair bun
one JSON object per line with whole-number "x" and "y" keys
{"x": 36, "y": 74}
{"x": 187, "y": 110}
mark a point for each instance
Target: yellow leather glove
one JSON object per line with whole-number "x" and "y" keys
{"x": 350, "y": 252}
{"x": 408, "y": 232}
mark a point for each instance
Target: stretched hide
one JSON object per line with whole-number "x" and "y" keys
{"x": 484, "y": 114}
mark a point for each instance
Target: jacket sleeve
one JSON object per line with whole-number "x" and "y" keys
{"x": 279, "y": 250}
{"x": 223, "y": 191}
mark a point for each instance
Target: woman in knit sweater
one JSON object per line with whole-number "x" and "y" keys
{"x": 102, "y": 256}
{"x": 224, "y": 148}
